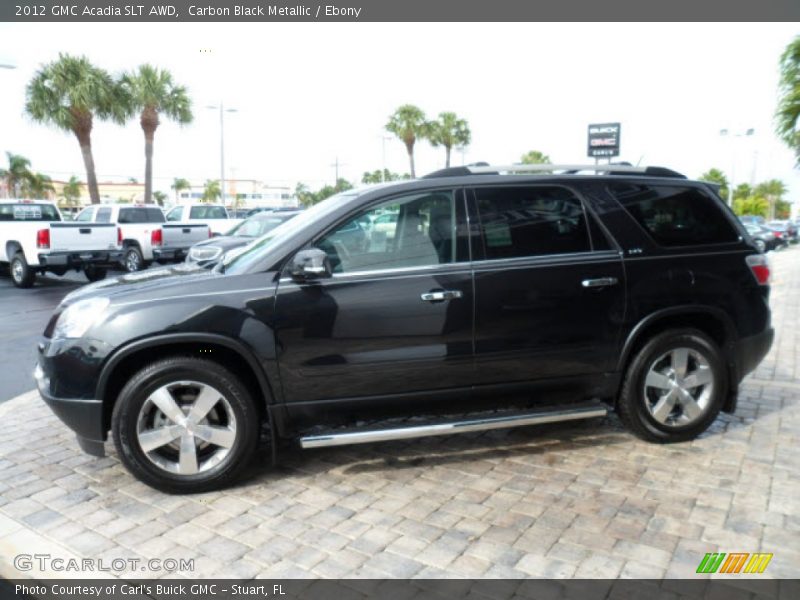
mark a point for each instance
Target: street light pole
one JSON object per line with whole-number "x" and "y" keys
{"x": 725, "y": 133}
{"x": 222, "y": 111}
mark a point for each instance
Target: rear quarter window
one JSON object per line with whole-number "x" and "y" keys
{"x": 676, "y": 216}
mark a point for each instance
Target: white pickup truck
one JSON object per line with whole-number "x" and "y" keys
{"x": 143, "y": 235}
{"x": 214, "y": 215}
{"x": 35, "y": 239}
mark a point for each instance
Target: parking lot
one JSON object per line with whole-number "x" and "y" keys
{"x": 562, "y": 500}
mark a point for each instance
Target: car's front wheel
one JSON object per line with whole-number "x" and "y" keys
{"x": 674, "y": 387}
{"x": 185, "y": 425}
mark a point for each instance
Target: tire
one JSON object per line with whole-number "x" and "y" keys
{"x": 95, "y": 273}
{"x": 664, "y": 413}
{"x": 132, "y": 260}
{"x": 233, "y": 419}
{"x": 21, "y": 273}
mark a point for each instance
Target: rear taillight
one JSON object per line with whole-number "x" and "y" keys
{"x": 155, "y": 237}
{"x": 43, "y": 238}
{"x": 759, "y": 267}
{"x": 210, "y": 233}
{"x": 119, "y": 236}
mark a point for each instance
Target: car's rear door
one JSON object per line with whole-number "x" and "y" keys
{"x": 396, "y": 316}
{"x": 549, "y": 286}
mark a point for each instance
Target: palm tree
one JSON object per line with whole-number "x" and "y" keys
{"x": 68, "y": 94}
{"x": 38, "y": 185}
{"x": 449, "y": 131}
{"x": 151, "y": 92}
{"x": 772, "y": 191}
{"x": 159, "y": 197}
{"x": 71, "y": 192}
{"x": 16, "y": 174}
{"x": 717, "y": 177}
{"x": 179, "y": 184}
{"x": 211, "y": 191}
{"x": 788, "y": 111}
{"x": 408, "y": 123}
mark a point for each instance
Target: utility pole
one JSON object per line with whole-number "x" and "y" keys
{"x": 336, "y": 166}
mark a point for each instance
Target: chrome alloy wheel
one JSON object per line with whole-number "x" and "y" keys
{"x": 17, "y": 271}
{"x": 678, "y": 387}
{"x": 132, "y": 263}
{"x": 186, "y": 427}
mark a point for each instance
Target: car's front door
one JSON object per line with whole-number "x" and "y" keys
{"x": 396, "y": 315}
{"x": 549, "y": 288}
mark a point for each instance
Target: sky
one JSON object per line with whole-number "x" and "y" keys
{"x": 307, "y": 94}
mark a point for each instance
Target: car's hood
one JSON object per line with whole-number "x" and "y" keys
{"x": 178, "y": 279}
{"x": 226, "y": 242}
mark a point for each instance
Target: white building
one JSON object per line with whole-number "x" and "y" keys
{"x": 246, "y": 193}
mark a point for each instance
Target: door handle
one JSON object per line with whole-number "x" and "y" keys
{"x": 599, "y": 282}
{"x": 441, "y": 296}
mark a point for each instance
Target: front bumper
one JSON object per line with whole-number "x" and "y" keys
{"x": 76, "y": 260}
{"x": 83, "y": 416}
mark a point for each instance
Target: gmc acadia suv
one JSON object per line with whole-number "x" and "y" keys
{"x": 493, "y": 299}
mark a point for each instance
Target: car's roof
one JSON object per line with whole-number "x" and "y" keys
{"x": 26, "y": 201}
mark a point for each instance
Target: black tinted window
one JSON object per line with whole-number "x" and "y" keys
{"x": 28, "y": 212}
{"x": 208, "y": 212}
{"x": 531, "y": 221}
{"x": 675, "y": 216}
{"x": 140, "y": 215}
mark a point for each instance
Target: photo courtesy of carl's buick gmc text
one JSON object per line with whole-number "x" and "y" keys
{"x": 423, "y": 301}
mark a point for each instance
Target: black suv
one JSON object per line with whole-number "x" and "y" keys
{"x": 491, "y": 298}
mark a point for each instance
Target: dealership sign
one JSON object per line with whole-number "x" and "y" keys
{"x": 604, "y": 139}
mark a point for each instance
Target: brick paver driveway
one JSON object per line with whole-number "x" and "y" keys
{"x": 573, "y": 500}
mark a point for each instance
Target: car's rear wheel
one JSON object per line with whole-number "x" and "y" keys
{"x": 674, "y": 387}
{"x": 185, "y": 425}
{"x": 21, "y": 273}
{"x": 132, "y": 260}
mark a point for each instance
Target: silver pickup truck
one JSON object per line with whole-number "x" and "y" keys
{"x": 35, "y": 239}
{"x": 176, "y": 239}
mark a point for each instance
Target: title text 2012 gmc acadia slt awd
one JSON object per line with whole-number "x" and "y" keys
{"x": 487, "y": 299}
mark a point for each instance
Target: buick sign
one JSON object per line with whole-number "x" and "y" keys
{"x": 604, "y": 139}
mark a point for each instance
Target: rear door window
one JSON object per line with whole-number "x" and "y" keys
{"x": 520, "y": 221}
{"x": 675, "y": 216}
{"x": 104, "y": 215}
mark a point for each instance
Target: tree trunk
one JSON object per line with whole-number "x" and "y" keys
{"x": 85, "y": 141}
{"x": 410, "y": 149}
{"x": 149, "y": 122}
{"x": 447, "y": 157}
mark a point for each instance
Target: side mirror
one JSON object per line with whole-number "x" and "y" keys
{"x": 312, "y": 263}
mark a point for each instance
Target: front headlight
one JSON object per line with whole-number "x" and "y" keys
{"x": 78, "y": 317}
{"x": 204, "y": 253}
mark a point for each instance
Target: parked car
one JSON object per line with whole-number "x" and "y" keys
{"x": 752, "y": 220}
{"x": 764, "y": 238}
{"x": 502, "y": 301}
{"x": 208, "y": 252}
{"x": 213, "y": 215}
{"x": 786, "y": 229}
{"x": 35, "y": 239}
{"x": 143, "y": 234}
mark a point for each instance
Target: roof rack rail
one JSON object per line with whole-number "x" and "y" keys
{"x": 605, "y": 169}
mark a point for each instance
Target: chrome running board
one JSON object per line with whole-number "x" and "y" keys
{"x": 366, "y": 436}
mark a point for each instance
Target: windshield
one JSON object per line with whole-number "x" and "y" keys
{"x": 258, "y": 225}
{"x": 258, "y": 248}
